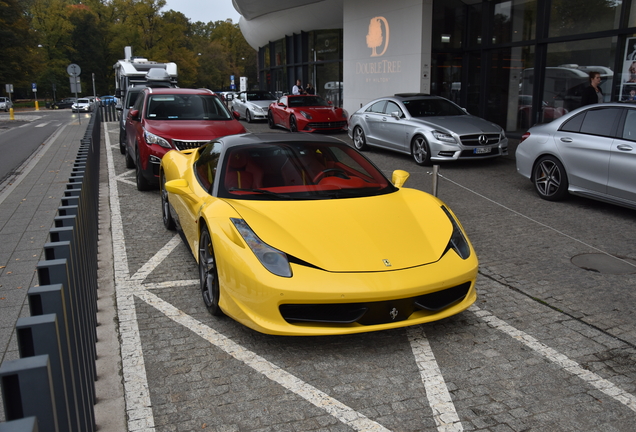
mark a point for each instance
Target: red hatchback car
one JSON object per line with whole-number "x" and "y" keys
{"x": 306, "y": 113}
{"x": 164, "y": 119}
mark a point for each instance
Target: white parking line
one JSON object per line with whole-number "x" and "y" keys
{"x": 308, "y": 392}
{"x": 439, "y": 399}
{"x": 137, "y": 395}
{"x": 562, "y": 360}
{"x": 42, "y": 124}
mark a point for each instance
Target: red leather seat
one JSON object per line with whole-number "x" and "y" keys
{"x": 236, "y": 176}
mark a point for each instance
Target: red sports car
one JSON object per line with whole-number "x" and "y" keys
{"x": 163, "y": 119}
{"x": 306, "y": 113}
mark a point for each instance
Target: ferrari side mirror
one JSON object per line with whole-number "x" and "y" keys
{"x": 399, "y": 178}
{"x": 178, "y": 187}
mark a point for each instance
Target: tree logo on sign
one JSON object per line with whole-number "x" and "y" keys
{"x": 375, "y": 38}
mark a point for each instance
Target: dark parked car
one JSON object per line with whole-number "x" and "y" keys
{"x": 64, "y": 103}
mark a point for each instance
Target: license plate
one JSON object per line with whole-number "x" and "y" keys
{"x": 482, "y": 150}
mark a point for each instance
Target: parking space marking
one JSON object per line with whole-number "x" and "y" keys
{"x": 136, "y": 392}
{"x": 554, "y": 356}
{"x": 308, "y": 392}
{"x": 137, "y": 395}
{"x": 439, "y": 398}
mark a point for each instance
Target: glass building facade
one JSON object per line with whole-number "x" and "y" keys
{"x": 513, "y": 62}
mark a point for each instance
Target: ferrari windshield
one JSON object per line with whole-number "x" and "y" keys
{"x": 432, "y": 108}
{"x": 292, "y": 170}
{"x": 186, "y": 107}
{"x": 307, "y": 101}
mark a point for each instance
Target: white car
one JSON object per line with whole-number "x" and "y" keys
{"x": 82, "y": 105}
{"x": 5, "y": 104}
{"x": 252, "y": 105}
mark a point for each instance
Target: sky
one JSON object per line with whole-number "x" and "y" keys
{"x": 204, "y": 10}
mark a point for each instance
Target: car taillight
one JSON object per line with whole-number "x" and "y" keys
{"x": 524, "y": 136}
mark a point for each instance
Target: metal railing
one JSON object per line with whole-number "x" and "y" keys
{"x": 51, "y": 387}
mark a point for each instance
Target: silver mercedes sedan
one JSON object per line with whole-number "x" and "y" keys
{"x": 430, "y": 128}
{"x": 252, "y": 105}
{"x": 589, "y": 152}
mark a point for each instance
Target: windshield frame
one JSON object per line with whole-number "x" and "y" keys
{"x": 288, "y": 171}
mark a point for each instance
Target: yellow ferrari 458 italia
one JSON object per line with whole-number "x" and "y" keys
{"x": 303, "y": 235}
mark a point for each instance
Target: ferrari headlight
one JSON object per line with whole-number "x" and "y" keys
{"x": 306, "y": 115}
{"x": 272, "y": 259}
{"x": 155, "y": 139}
{"x": 457, "y": 241}
{"x": 444, "y": 137}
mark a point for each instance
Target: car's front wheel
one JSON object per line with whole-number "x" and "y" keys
{"x": 208, "y": 274}
{"x": 359, "y": 139}
{"x": 130, "y": 162}
{"x": 142, "y": 182}
{"x": 270, "y": 120}
{"x": 420, "y": 151}
{"x": 550, "y": 179}
{"x": 293, "y": 126}
{"x": 168, "y": 221}
{"x": 248, "y": 116}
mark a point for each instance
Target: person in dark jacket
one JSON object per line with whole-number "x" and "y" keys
{"x": 592, "y": 93}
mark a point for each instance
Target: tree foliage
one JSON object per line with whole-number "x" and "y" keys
{"x": 42, "y": 37}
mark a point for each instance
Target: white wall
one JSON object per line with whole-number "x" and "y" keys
{"x": 401, "y": 32}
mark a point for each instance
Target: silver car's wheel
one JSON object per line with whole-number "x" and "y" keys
{"x": 550, "y": 179}
{"x": 359, "y": 139}
{"x": 420, "y": 151}
{"x": 208, "y": 275}
{"x": 248, "y": 116}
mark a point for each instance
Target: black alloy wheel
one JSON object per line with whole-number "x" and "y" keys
{"x": 270, "y": 120}
{"x": 248, "y": 116}
{"x": 208, "y": 274}
{"x": 550, "y": 179}
{"x": 293, "y": 127}
{"x": 142, "y": 183}
{"x": 168, "y": 220}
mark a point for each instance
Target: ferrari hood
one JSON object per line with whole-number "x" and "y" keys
{"x": 389, "y": 232}
{"x": 461, "y": 125}
{"x": 194, "y": 129}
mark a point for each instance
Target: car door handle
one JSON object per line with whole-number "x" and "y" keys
{"x": 566, "y": 139}
{"x": 624, "y": 147}
{"x": 383, "y": 118}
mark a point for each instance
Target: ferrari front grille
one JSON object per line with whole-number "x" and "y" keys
{"x": 373, "y": 313}
{"x": 327, "y": 125}
{"x": 188, "y": 145}
{"x": 475, "y": 140}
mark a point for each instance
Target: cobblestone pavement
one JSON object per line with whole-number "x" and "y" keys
{"x": 547, "y": 346}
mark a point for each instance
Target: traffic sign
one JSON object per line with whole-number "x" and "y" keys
{"x": 73, "y": 69}
{"x": 34, "y": 87}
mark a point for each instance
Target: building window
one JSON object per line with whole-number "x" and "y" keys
{"x": 514, "y": 21}
{"x": 569, "y": 17}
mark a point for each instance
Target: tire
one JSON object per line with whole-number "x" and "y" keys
{"x": 208, "y": 274}
{"x": 420, "y": 151}
{"x": 142, "y": 182}
{"x": 248, "y": 116}
{"x": 293, "y": 127}
{"x": 168, "y": 220}
{"x": 550, "y": 179}
{"x": 359, "y": 139}
{"x": 270, "y": 120}
{"x": 122, "y": 147}
{"x": 130, "y": 162}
